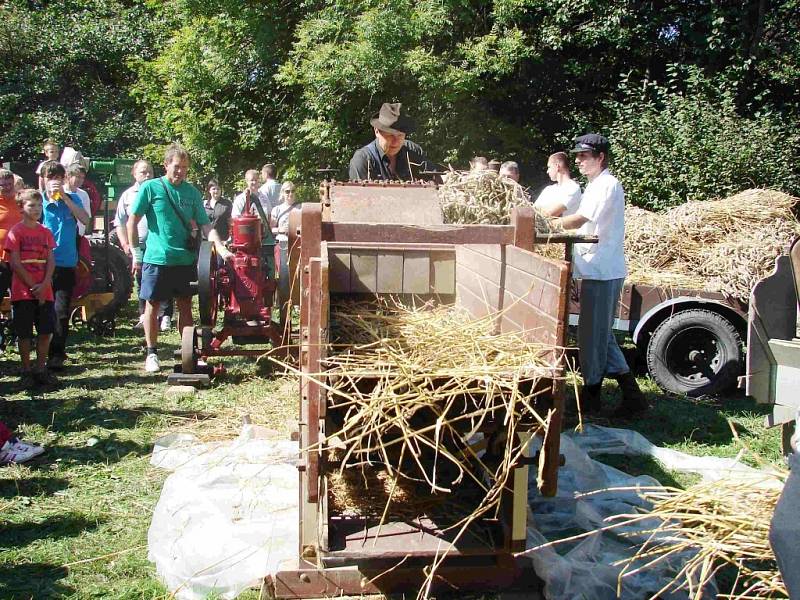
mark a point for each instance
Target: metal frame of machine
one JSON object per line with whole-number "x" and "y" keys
{"x": 243, "y": 288}
{"x": 482, "y": 267}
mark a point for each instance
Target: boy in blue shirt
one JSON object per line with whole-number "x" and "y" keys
{"x": 61, "y": 214}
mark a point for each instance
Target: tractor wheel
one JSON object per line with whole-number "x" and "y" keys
{"x": 111, "y": 273}
{"x": 695, "y": 352}
{"x": 188, "y": 350}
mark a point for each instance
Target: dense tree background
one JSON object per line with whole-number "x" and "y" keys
{"x": 699, "y": 98}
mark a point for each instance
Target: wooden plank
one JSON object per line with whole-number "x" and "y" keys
{"x": 363, "y": 271}
{"x": 416, "y": 272}
{"x": 339, "y": 264}
{"x": 473, "y": 291}
{"x": 414, "y": 234}
{"x": 443, "y": 272}
{"x": 547, "y": 269}
{"x": 524, "y": 222}
{"x": 417, "y": 205}
{"x": 488, "y": 267}
{"x": 390, "y": 272}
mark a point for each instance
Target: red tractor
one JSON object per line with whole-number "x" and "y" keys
{"x": 243, "y": 290}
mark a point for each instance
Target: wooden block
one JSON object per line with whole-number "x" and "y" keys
{"x": 416, "y": 272}
{"x": 390, "y": 272}
{"x": 363, "y": 271}
{"x": 443, "y": 273}
{"x": 339, "y": 264}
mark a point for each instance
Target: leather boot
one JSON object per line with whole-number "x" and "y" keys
{"x": 589, "y": 398}
{"x": 633, "y": 400}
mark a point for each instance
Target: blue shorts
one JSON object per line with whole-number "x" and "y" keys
{"x": 27, "y": 313}
{"x": 160, "y": 282}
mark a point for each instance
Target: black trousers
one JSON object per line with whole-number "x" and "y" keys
{"x": 63, "y": 284}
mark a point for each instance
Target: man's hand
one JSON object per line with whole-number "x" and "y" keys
{"x": 224, "y": 253}
{"x": 137, "y": 256}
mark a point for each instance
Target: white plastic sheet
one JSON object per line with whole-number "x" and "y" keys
{"x": 227, "y": 515}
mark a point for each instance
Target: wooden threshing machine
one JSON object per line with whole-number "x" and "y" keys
{"x": 368, "y": 239}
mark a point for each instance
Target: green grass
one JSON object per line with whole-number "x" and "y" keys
{"x": 90, "y": 496}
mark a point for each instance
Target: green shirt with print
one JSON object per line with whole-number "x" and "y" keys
{"x": 167, "y": 236}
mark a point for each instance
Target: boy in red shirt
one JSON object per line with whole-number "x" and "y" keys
{"x": 30, "y": 245}
{"x": 10, "y": 215}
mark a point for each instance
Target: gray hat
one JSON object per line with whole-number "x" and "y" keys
{"x": 591, "y": 142}
{"x": 389, "y": 119}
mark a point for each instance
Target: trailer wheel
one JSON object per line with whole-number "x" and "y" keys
{"x": 695, "y": 352}
{"x": 111, "y": 275}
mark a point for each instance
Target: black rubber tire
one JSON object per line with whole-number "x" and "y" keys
{"x": 695, "y": 352}
{"x": 117, "y": 278}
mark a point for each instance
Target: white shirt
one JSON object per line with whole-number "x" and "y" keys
{"x": 124, "y": 211}
{"x": 603, "y": 204}
{"x": 239, "y": 201}
{"x": 272, "y": 190}
{"x": 86, "y": 204}
{"x": 281, "y": 216}
{"x": 567, "y": 194}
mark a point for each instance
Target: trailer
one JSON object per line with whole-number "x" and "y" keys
{"x": 690, "y": 341}
{"x": 378, "y": 239}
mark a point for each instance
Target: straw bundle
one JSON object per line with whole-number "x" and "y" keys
{"x": 484, "y": 197}
{"x": 718, "y": 524}
{"x": 718, "y": 246}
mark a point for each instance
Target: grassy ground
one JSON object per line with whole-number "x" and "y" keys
{"x": 73, "y": 523}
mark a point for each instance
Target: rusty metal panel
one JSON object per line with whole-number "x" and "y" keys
{"x": 416, "y": 272}
{"x": 413, "y": 205}
{"x": 363, "y": 271}
{"x": 390, "y": 272}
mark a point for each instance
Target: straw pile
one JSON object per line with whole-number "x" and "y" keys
{"x": 484, "y": 197}
{"x": 414, "y": 386}
{"x": 718, "y": 524}
{"x": 718, "y": 246}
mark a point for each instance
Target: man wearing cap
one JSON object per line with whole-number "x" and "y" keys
{"x": 390, "y": 157}
{"x": 601, "y": 269}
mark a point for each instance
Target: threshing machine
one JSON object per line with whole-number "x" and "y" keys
{"x": 366, "y": 240}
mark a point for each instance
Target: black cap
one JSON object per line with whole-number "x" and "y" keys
{"x": 591, "y": 142}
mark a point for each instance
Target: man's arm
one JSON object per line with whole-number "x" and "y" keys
{"x": 572, "y": 221}
{"x": 76, "y": 210}
{"x": 212, "y": 235}
{"x": 133, "y": 241}
{"x": 554, "y": 209}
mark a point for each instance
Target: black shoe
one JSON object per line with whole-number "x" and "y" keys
{"x": 589, "y": 398}
{"x": 633, "y": 400}
{"x": 56, "y": 362}
{"x": 44, "y": 378}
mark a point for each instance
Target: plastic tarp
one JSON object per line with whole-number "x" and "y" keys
{"x": 227, "y": 515}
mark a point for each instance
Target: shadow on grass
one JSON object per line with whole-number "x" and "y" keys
{"x": 18, "y": 535}
{"x": 33, "y": 580}
{"x": 32, "y": 486}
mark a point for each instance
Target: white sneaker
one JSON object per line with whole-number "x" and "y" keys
{"x": 139, "y": 323}
{"x": 166, "y": 323}
{"x": 151, "y": 364}
{"x": 14, "y": 451}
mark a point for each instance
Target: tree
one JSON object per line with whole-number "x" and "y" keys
{"x": 64, "y": 74}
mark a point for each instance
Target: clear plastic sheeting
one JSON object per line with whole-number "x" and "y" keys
{"x": 227, "y": 515}
{"x": 589, "y": 566}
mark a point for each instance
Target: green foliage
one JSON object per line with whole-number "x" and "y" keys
{"x": 686, "y": 141}
{"x": 64, "y": 74}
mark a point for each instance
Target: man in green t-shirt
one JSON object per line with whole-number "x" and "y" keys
{"x": 174, "y": 211}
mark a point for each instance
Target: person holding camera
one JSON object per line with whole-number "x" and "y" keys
{"x": 175, "y": 219}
